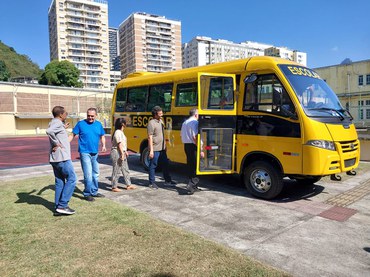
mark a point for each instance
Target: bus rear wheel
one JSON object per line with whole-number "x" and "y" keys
{"x": 263, "y": 180}
{"x": 144, "y": 158}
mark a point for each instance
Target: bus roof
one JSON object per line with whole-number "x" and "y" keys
{"x": 232, "y": 67}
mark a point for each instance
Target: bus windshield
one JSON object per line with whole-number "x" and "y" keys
{"x": 316, "y": 97}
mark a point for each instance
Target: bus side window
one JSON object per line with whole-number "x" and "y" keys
{"x": 221, "y": 93}
{"x": 160, "y": 95}
{"x": 136, "y": 99}
{"x": 187, "y": 94}
{"x": 268, "y": 95}
{"x": 121, "y": 99}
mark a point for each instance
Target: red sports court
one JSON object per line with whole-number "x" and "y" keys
{"x": 30, "y": 151}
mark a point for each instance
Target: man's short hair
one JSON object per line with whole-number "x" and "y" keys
{"x": 156, "y": 110}
{"x": 193, "y": 111}
{"x": 92, "y": 110}
{"x": 58, "y": 110}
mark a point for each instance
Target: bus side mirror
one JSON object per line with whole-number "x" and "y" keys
{"x": 250, "y": 79}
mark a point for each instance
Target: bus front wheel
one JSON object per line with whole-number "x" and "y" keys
{"x": 144, "y": 158}
{"x": 263, "y": 180}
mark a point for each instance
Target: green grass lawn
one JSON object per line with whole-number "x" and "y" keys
{"x": 103, "y": 238}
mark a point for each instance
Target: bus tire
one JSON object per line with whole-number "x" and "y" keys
{"x": 144, "y": 158}
{"x": 263, "y": 180}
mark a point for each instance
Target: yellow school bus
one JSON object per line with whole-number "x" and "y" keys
{"x": 263, "y": 118}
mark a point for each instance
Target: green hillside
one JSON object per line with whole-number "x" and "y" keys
{"x": 18, "y": 65}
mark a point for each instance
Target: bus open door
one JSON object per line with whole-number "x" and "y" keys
{"x": 217, "y": 123}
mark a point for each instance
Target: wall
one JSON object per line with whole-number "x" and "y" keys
{"x": 25, "y": 109}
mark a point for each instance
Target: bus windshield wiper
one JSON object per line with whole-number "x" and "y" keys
{"x": 330, "y": 110}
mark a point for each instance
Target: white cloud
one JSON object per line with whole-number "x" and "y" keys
{"x": 335, "y": 49}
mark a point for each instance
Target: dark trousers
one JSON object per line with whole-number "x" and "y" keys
{"x": 191, "y": 161}
{"x": 160, "y": 158}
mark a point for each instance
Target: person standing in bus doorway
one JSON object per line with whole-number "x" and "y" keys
{"x": 189, "y": 132}
{"x": 90, "y": 132}
{"x": 119, "y": 156}
{"x": 60, "y": 160}
{"x": 157, "y": 148}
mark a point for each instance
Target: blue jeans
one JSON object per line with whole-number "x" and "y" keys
{"x": 65, "y": 182}
{"x": 160, "y": 158}
{"x": 90, "y": 168}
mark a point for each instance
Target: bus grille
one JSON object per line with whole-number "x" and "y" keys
{"x": 350, "y": 162}
{"x": 349, "y": 146}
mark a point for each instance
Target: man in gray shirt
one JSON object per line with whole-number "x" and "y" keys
{"x": 157, "y": 149}
{"x": 60, "y": 159}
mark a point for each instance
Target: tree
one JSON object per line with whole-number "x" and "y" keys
{"x": 4, "y": 73}
{"x": 63, "y": 74}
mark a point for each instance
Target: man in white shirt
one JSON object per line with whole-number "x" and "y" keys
{"x": 189, "y": 131}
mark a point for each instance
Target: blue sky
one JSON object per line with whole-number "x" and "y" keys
{"x": 327, "y": 30}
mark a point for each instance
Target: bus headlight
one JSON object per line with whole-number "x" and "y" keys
{"x": 325, "y": 144}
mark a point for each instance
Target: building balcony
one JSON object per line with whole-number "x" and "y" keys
{"x": 75, "y": 7}
{"x": 86, "y": 74}
{"x": 90, "y": 35}
{"x": 92, "y": 10}
{"x": 88, "y": 61}
{"x": 93, "y": 29}
{"x": 89, "y": 55}
{"x": 75, "y": 27}
{"x": 70, "y": 14}
{"x": 92, "y": 15}
{"x": 71, "y": 35}
{"x": 76, "y": 47}
{"x": 92, "y": 42}
{"x": 76, "y": 54}
{"x": 97, "y": 81}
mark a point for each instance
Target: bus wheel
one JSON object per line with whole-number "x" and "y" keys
{"x": 263, "y": 180}
{"x": 309, "y": 181}
{"x": 144, "y": 158}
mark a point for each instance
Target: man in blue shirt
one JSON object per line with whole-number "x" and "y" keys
{"x": 90, "y": 132}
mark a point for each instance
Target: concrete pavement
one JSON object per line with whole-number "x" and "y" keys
{"x": 306, "y": 231}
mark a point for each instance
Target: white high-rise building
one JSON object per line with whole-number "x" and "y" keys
{"x": 149, "y": 43}
{"x": 78, "y": 32}
{"x": 204, "y": 50}
{"x": 285, "y": 53}
{"x": 114, "y": 49}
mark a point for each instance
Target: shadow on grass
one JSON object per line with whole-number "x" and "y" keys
{"x": 33, "y": 198}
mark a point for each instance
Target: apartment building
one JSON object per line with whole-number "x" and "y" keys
{"x": 351, "y": 82}
{"x": 114, "y": 49}
{"x": 205, "y": 50}
{"x": 115, "y": 77}
{"x": 285, "y": 53}
{"x": 78, "y": 32}
{"x": 149, "y": 43}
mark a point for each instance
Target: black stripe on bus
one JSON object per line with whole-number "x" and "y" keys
{"x": 259, "y": 125}
{"x": 264, "y": 125}
{"x": 217, "y": 121}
